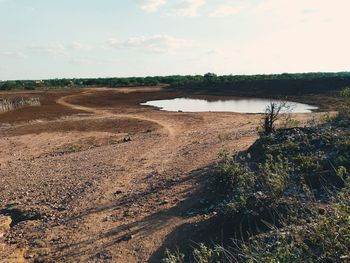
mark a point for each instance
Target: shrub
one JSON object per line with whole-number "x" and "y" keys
{"x": 307, "y": 163}
{"x": 272, "y": 114}
{"x": 289, "y": 122}
{"x": 201, "y": 254}
{"x": 275, "y": 174}
{"x": 234, "y": 178}
{"x": 173, "y": 257}
{"x": 344, "y": 108}
{"x": 205, "y": 254}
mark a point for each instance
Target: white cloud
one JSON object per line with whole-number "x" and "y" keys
{"x": 79, "y": 46}
{"x": 13, "y": 54}
{"x": 155, "y": 44}
{"x": 80, "y": 61}
{"x": 114, "y": 42}
{"x": 226, "y": 10}
{"x": 187, "y": 8}
{"x": 277, "y": 6}
{"x": 55, "y": 49}
{"x": 150, "y": 6}
{"x": 214, "y": 51}
{"x": 58, "y": 49}
{"x": 302, "y": 10}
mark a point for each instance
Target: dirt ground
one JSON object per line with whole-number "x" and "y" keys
{"x": 91, "y": 176}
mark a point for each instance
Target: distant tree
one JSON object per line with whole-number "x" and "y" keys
{"x": 9, "y": 86}
{"x": 210, "y": 77}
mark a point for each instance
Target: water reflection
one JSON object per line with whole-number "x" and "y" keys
{"x": 232, "y": 105}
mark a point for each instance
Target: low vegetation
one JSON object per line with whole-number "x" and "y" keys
{"x": 286, "y": 199}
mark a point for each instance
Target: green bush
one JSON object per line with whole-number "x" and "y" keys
{"x": 173, "y": 257}
{"x": 275, "y": 174}
{"x": 344, "y": 108}
{"x": 234, "y": 178}
{"x": 200, "y": 254}
{"x": 307, "y": 163}
{"x": 289, "y": 122}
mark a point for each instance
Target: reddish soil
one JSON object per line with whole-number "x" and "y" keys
{"x": 49, "y": 109}
{"x": 79, "y": 191}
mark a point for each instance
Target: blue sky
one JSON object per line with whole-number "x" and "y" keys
{"x": 89, "y": 38}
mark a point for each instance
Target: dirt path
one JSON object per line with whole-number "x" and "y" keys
{"x": 106, "y": 113}
{"x": 116, "y": 202}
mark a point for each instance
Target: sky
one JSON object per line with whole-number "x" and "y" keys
{"x": 42, "y": 39}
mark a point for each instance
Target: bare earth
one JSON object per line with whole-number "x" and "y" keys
{"x": 87, "y": 195}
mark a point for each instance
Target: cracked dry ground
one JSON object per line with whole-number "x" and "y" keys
{"x": 77, "y": 192}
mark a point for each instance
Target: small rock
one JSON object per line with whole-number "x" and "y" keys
{"x": 104, "y": 255}
{"x": 127, "y": 237}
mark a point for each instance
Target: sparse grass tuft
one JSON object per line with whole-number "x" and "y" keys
{"x": 127, "y": 138}
{"x": 74, "y": 147}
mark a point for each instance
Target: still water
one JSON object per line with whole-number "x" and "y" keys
{"x": 232, "y": 105}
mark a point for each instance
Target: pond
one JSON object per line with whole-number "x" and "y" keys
{"x": 230, "y": 105}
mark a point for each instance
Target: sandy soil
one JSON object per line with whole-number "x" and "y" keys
{"x": 79, "y": 191}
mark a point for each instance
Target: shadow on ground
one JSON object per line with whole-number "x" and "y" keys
{"x": 92, "y": 247}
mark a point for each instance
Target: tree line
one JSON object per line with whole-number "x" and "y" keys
{"x": 206, "y": 81}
